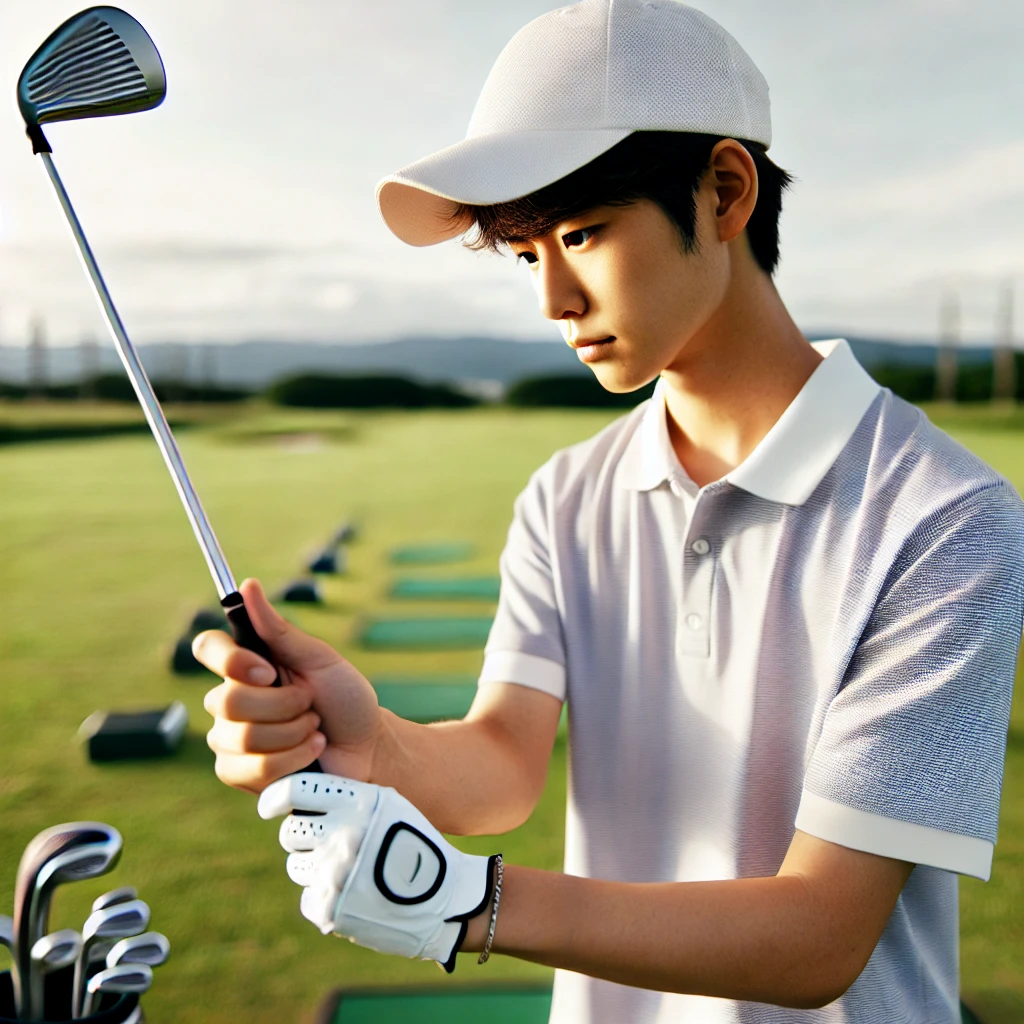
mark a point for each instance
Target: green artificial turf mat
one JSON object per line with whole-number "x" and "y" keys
{"x": 470, "y": 588}
{"x": 425, "y": 634}
{"x": 431, "y": 554}
{"x": 426, "y": 702}
{"x": 498, "y": 1006}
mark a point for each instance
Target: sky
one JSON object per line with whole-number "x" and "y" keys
{"x": 244, "y": 206}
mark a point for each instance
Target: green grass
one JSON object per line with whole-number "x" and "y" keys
{"x": 98, "y": 574}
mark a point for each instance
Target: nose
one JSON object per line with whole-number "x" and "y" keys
{"x": 559, "y": 292}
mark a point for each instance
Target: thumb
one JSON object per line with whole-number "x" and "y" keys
{"x": 290, "y": 646}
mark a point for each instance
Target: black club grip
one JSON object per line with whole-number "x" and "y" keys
{"x": 246, "y": 636}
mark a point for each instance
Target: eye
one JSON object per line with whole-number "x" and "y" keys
{"x": 527, "y": 256}
{"x": 578, "y": 237}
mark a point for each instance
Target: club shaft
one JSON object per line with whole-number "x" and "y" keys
{"x": 147, "y": 398}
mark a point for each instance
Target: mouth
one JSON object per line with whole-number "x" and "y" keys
{"x": 589, "y": 349}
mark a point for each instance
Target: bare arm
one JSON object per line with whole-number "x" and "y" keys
{"x": 479, "y": 776}
{"x": 798, "y": 939}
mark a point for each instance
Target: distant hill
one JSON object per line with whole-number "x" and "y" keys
{"x": 254, "y": 364}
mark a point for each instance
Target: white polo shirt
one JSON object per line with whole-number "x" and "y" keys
{"x": 824, "y": 639}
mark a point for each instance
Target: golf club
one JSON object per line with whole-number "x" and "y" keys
{"x": 116, "y": 922}
{"x": 7, "y": 932}
{"x": 124, "y": 978}
{"x": 98, "y": 63}
{"x": 151, "y": 949}
{"x": 52, "y": 952}
{"x": 109, "y": 899}
{"x": 64, "y": 853}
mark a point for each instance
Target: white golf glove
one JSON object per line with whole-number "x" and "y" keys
{"x": 373, "y": 869}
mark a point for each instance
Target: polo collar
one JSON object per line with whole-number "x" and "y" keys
{"x": 793, "y": 457}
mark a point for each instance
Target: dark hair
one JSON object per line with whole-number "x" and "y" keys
{"x": 665, "y": 167}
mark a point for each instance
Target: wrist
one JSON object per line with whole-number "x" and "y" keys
{"x": 478, "y": 927}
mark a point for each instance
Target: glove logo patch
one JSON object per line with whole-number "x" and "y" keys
{"x": 410, "y": 867}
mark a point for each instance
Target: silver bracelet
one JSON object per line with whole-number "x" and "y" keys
{"x": 494, "y": 911}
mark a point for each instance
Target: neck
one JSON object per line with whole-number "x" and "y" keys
{"x": 733, "y": 380}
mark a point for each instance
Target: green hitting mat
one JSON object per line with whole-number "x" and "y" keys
{"x": 505, "y": 1005}
{"x": 431, "y": 554}
{"x": 426, "y": 702}
{"x": 478, "y": 588}
{"x": 525, "y": 1005}
{"x": 425, "y": 634}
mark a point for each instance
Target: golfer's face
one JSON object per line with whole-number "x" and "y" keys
{"x": 626, "y": 295}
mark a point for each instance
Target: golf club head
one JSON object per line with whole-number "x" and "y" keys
{"x": 7, "y": 931}
{"x": 118, "y": 921}
{"x": 99, "y": 62}
{"x": 71, "y": 842}
{"x": 101, "y": 930}
{"x": 150, "y": 948}
{"x": 56, "y": 950}
{"x": 135, "y": 978}
{"x": 109, "y": 899}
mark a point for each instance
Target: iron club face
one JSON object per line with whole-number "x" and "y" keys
{"x": 99, "y": 62}
{"x": 78, "y": 850}
{"x": 151, "y": 949}
{"x": 123, "y": 978}
{"x": 112, "y": 923}
{"x": 109, "y": 899}
{"x": 52, "y": 952}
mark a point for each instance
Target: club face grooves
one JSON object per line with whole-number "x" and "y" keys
{"x": 98, "y": 63}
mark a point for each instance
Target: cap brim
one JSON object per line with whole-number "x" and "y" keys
{"x": 418, "y": 203}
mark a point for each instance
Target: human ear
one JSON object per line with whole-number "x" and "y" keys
{"x": 734, "y": 178}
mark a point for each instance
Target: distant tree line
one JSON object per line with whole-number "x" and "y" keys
{"x": 388, "y": 391}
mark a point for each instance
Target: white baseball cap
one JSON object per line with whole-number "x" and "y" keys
{"x": 569, "y": 86}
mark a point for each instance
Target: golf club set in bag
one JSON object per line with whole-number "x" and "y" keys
{"x": 97, "y": 63}
{"x": 96, "y": 974}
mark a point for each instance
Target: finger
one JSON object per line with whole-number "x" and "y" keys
{"x": 240, "y": 702}
{"x": 290, "y": 646}
{"x": 317, "y": 905}
{"x": 314, "y": 792}
{"x": 301, "y": 868}
{"x": 254, "y": 772}
{"x": 220, "y": 654}
{"x": 226, "y": 737}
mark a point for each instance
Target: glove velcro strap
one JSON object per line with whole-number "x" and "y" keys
{"x": 464, "y": 918}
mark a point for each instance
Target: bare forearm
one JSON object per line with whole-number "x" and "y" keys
{"x": 759, "y": 939}
{"x": 466, "y": 777}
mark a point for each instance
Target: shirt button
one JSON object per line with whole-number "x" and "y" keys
{"x": 702, "y": 547}
{"x": 694, "y": 621}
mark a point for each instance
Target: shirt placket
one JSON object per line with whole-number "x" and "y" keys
{"x": 693, "y": 629}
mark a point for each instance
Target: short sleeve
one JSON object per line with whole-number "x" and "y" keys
{"x": 909, "y": 762}
{"x": 526, "y": 643}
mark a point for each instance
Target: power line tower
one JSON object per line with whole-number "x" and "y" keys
{"x": 949, "y": 341}
{"x": 38, "y": 368}
{"x": 1004, "y": 364}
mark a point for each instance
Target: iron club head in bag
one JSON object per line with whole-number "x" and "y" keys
{"x": 52, "y": 952}
{"x": 65, "y": 853}
{"x": 123, "y": 978}
{"x": 116, "y": 922}
{"x": 151, "y": 949}
{"x": 98, "y": 63}
{"x": 109, "y": 899}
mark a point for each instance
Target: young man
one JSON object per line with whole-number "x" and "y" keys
{"x": 783, "y": 608}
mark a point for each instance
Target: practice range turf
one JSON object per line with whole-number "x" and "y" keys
{"x": 99, "y": 573}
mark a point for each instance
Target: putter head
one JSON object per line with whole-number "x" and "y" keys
{"x": 101, "y": 61}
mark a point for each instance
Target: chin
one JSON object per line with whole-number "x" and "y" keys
{"x": 619, "y": 381}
